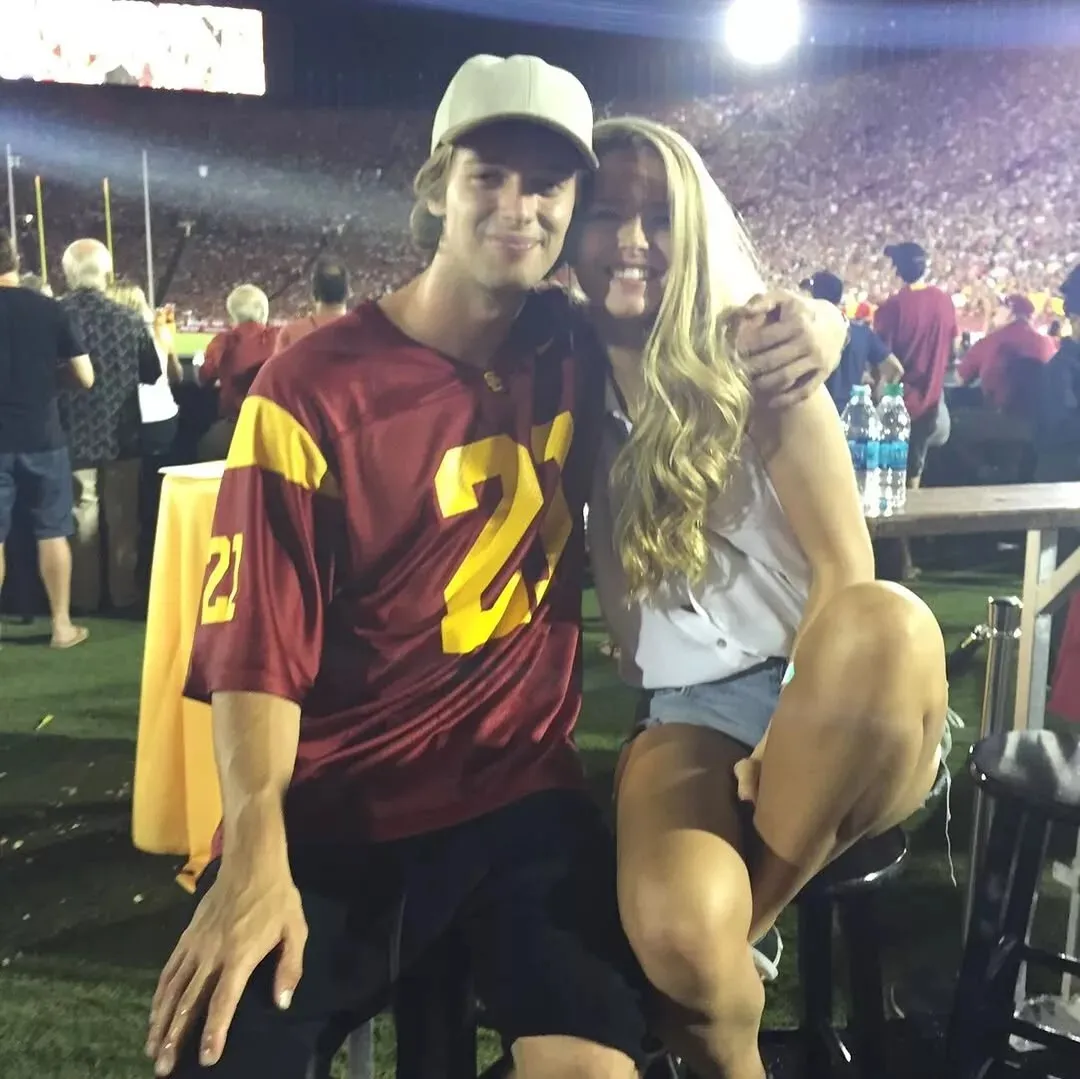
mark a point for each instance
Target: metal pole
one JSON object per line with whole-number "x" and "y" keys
{"x": 107, "y": 196}
{"x": 11, "y": 193}
{"x": 1003, "y": 618}
{"x": 43, "y": 265}
{"x": 361, "y": 1053}
{"x": 149, "y": 232}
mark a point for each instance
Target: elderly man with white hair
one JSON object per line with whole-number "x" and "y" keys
{"x": 232, "y": 361}
{"x": 103, "y": 429}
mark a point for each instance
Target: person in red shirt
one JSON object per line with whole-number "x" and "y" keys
{"x": 1003, "y": 361}
{"x": 330, "y": 291}
{"x": 390, "y": 638}
{"x": 918, "y": 324}
{"x": 232, "y": 360}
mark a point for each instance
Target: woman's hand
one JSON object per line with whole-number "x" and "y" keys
{"x": 748, "y": 773}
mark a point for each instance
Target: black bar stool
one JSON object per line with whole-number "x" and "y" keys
{"x": 1033, "y": 781}
{"x": 848, "y": 889}
{"x": 436, "y": 1015}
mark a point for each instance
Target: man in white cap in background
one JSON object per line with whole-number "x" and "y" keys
{"x": 390, "y": 641}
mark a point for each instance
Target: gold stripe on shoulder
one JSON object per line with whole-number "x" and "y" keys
{"x": 269, "y": 437}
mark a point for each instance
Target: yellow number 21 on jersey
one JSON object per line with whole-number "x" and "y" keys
{"x": 225, "y": 555}
{"x": 469, "y": 623}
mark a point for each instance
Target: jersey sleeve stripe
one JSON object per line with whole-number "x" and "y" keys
{"x": 270, "y": 438}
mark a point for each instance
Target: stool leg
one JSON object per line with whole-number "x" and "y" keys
{"x": 816, "y": 984}
{"x": 361, "y": 1045}
{"x": 1001, "y": 913}
{"x": 858, "y": 923}
{"x": 434, "y": 1017}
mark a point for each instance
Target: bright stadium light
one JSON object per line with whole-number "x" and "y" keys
{"x": 759, "y": 33}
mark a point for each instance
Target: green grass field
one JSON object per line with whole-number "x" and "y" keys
{"x": 187, "y": 344}
{"x": 86, "y": 921}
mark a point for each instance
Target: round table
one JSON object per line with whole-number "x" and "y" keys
{"x": 176, "y": 802}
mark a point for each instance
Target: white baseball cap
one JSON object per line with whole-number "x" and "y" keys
{"x": 487, "y": 89}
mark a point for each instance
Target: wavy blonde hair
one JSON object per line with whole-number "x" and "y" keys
{"x": 691, "y": 422}
{"x": 130, "y": 295}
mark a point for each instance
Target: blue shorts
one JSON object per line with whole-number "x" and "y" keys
{"x": 741, "y": 706}
{"x": 43, "y": 485}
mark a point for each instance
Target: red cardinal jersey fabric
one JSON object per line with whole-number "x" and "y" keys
{"x": 398, "y": 548}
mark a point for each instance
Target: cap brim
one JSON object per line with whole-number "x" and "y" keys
{"x": 455, "y": 134}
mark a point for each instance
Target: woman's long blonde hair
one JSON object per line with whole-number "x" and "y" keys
{"x": 130, "y": 295}
{"x": 690, "y": 424}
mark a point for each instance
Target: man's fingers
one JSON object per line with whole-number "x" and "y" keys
{"x": 177, "y": 961}
{"x": 799, "y": 392}
{"x": 764, "y": 302}
{"x": 219, "y": 1015}
{"x": 794, "y": 366}
{"x": 757, "y": 340}
{"x": 173, "y": 981}
{"x": 187, "y": 1007}
{"x": 290, "y": 967}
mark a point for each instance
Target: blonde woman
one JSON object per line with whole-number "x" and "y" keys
{"x": 159, "y": 413}
{"x": 729, "y": 548}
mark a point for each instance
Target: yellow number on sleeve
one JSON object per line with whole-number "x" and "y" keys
{"x": 468, "y": 623}
{"x": 226, "y": 553}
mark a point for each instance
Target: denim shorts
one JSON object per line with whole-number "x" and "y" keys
{"x": 43, "y": 484}
{"x": 741, "y": 706}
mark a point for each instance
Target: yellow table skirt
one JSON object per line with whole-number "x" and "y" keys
{"x": 176, "y": 801}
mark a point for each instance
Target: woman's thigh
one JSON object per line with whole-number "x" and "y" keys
{"x": 680, "y": 833}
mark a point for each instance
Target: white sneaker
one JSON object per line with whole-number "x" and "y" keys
{"x": 767, "y": 953}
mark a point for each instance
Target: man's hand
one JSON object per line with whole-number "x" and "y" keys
{"x": 240, "y": 921}
{"x": 789, "y": 344}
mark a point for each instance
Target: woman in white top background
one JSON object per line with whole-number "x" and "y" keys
{"x": 727, "y": 542}
{"x": 159, "y": 413}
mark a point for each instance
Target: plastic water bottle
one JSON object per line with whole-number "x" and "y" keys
{"x": 895, "y": 437}
{"x": 862, "y": 428}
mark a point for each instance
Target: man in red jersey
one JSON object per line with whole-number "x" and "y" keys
{"x": 918, "y": 323}
{"x": 1006, "y": 360}
{"x": 232, "y": 361}
{"x": 390, "y": 637}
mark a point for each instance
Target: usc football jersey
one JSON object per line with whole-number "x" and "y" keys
{"x": 398, "y": 548}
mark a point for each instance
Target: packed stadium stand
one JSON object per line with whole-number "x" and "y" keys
{"x": 973, "y": 155}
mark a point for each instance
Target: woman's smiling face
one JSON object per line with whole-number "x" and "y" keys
{"x": 623, "y": 246}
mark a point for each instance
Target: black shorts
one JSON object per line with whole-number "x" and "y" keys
{"x": 42, "y": 482}
{"x": 528, "y": 890}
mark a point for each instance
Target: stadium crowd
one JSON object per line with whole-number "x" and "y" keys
{"x": 973, "y": 160}
{"x": 970, "y": 155}
{"x": 245, "y": 200}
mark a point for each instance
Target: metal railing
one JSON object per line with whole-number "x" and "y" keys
{"x": 1003, "y": 620}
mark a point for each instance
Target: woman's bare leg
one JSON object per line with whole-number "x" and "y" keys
{"x": 852, "y": 749}
{"x": 684, "y": 895}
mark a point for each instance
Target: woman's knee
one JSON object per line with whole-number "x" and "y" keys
{"x": 688, "y": 928}
{"x": 882, "y": 620}
{"x": 878, "y": 645}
